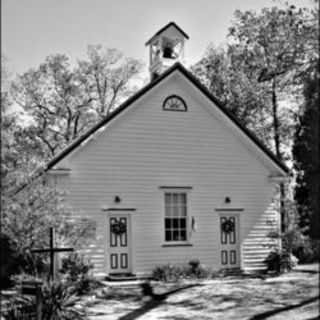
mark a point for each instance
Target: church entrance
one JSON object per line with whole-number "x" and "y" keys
{"x": 119, "y": 243}
{"x": 229, "y": 241}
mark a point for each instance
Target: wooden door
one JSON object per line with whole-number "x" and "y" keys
{"x": 119, "y": 246}
{"x": 229, "y": 241}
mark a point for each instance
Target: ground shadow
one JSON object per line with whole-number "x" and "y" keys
{"x": 216, "y": 299}
{"x": 270, "y": 313}
{"x": 307, "y": 271}
{"x": 157, "y": 300}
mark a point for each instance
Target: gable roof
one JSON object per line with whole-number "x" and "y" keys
{"x": 145, "y": 89}
{"x": 164, "y": 28}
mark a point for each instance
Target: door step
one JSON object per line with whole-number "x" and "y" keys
{"x": 231, "y": 271}
{"x": 121, "y": 277}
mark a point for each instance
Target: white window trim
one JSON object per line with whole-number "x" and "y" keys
{"x": 176, "y": 189}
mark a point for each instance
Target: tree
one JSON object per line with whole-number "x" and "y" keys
{"x": 105, "y": 77}
{"x": 27, "y": 216}
{"x": 306, "y": 153}
{"x": 63, "y": 102}
{"x": 272, "y": 49}
{"x": 243, "y": 96}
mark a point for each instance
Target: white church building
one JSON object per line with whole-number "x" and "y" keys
{"x": 171, "y": 175}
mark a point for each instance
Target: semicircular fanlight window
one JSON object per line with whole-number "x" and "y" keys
{"x": 174, "y": 103}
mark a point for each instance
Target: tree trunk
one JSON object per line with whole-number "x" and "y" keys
{"x": 276, "y": 129}
{"x": 315, "y": 178}
{"x": 275, "y": 119}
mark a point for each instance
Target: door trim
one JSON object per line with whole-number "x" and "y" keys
{"x": 128, "y": 215}
{"x": 236, "y": 213}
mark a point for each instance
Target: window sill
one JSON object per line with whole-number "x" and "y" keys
{"x": 176, "y": 245}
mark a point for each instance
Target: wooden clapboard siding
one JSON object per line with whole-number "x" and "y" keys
{"x": 146, "y": 147}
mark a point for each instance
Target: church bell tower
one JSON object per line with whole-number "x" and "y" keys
{"x": 166, "y": 47}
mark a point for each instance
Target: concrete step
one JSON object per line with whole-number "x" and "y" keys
{"x": 121, "y": 277}
{"x": 255, "y": 266}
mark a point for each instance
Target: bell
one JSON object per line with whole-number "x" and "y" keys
{"x": 167, "y": 53}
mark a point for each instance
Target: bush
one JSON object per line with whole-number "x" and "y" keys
{"x": 17, "y": 307}
{"x": 168, "y": 273}
{"x": 14, "y": 262}
{"x": 197, "y": 270}
{"x": 60, "y": 302}
{"x": 300, "y": 245}
{"x": 307, "y": 251}
{"x": 8, "y": 262}
{"x": 194, "y": 264}
{"x": 76, "y": 273}
{"x": 280, "y": 261}
{"x": 75, "y": 266}
{"x": 172, "y": 273}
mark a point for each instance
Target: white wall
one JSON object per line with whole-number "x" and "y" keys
{"x": 145, "y": 148}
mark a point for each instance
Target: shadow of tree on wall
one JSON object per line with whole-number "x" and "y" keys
{"x": 267, "y": 314}
{"x": 157, "y": 300}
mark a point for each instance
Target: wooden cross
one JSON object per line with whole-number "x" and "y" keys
{"x": 52, "y": 250}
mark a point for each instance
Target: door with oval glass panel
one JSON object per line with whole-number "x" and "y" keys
{"x": 229, "y": 241}
{"x": 119, "y": 244}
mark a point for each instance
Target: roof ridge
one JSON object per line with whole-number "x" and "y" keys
{"x": 171, "y": 23}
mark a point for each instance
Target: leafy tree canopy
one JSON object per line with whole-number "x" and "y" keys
{"x": 64, "y": 101}
{"x": 258, "y": 76}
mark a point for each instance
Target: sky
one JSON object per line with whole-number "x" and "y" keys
{"x": 34, "y": 29}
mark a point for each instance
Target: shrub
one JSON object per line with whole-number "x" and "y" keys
{"x": 197, "y": 270}
{"x": 300, "y": 245}
{"x": 14, "y": 262}
{"x": 8, "y": 262}
{"x": 194, "y": 264}
{"x": 203, "y": 272}
{"x": 172, "y": 273}
{"x": 307, "y": 251}
{"x": 76, "y": 273}
{"x": 280, "y": 261}
{"x": 74, "y": 266}
{"x": 17, "y": 307}
{"x": 168, "y": 272}
{"x": 60, "y": 302}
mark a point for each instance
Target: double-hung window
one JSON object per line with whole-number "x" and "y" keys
{"x": 175, "y": 216}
